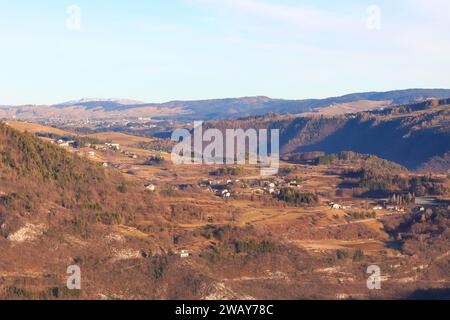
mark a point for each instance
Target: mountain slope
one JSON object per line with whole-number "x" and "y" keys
{"x": 409, "y": 138}
{"x": 37, "y": 178}
{"x": 57, "y": 210}
{"x": 410, "y": 135}
{"x": 439, "y": 163}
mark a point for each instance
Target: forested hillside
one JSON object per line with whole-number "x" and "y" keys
{"x": 410, "y": 135}
{"x": 38, "y": 179}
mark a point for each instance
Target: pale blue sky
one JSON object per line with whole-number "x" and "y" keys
{"x": 159, "y": 50}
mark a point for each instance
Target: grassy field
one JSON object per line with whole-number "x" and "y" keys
{"x": 121, "y": 138}
{"x": 37, "y": 128}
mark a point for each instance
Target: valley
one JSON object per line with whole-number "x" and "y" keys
{"x": 141, "y": 227}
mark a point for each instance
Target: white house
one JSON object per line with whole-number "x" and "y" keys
{"x": 269, "y": 190}
{"x": 223, "y": 193}
{"x": 269, "y": 185}
{"x": 62, "y": 143}
{"x": 113, "y": 146}
{"x": 184, "y": 254}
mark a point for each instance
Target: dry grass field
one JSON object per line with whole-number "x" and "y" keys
{"x": 35, "y": 128}
{"x": 121, "y": 138}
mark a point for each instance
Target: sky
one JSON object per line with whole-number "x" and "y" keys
{"x": 160, "y": 50}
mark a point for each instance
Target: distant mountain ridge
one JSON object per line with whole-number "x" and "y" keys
{"x": 108, "y": 104}
{"x": 230, "y": 108}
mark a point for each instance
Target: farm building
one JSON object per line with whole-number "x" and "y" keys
{"x": 184, "y": 254}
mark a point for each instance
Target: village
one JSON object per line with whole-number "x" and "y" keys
{"x": 230, "y": 189}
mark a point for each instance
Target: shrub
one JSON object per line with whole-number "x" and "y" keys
{"x": 123, "y": 188}
{"x": 160, "y": 266}
{"x": 342, "y": 254}
{"x": 297, "y": 197}
{"x": 253, "y": 247}
{"x": 154, "y": 160}
{"x": 358, "y": 255}
{"x": 227, "y": 171}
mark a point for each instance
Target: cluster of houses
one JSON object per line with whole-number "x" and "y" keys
{"x": 113, "y": 146}
{"x": 273, "y": 187}
{"x": 107, "y": 146}
{"x": 337, "y": 206}
{"x": 223, "y": 189}
{"x": 117, "y": 147}
{"x": 219, "y": 188}
{"x": 92, "y": 154}
{"x": 396, "y": 209}
{"x": 421, "y": 205}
